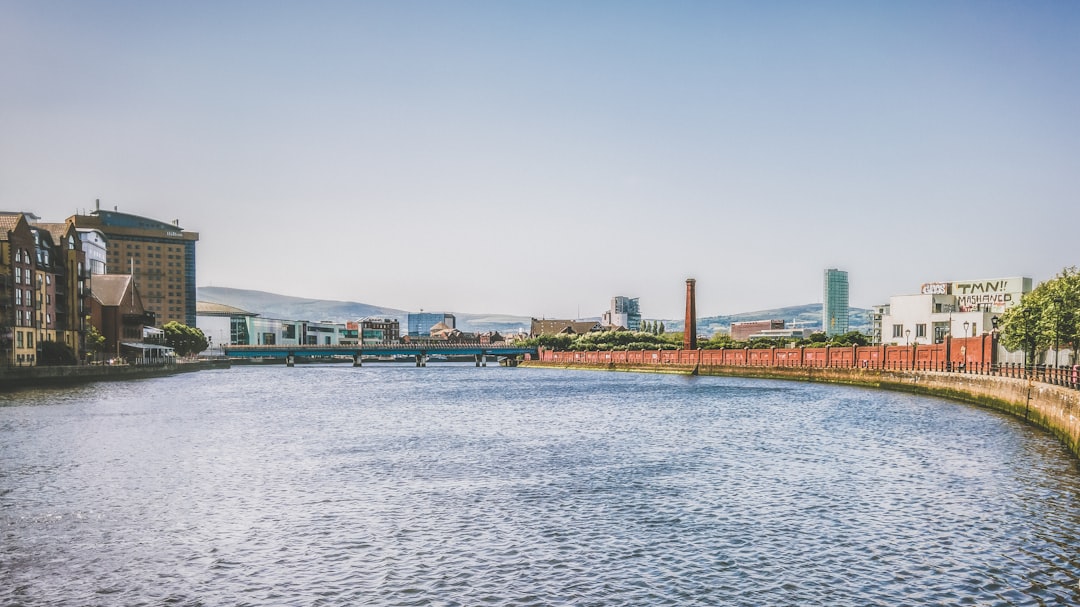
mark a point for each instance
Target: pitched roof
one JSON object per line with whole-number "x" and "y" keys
{"x": 8, "y": 221}
{"x": 58, "y": 230}
{"x": 109, "y": 289}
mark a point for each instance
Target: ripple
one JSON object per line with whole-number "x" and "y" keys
{"x": 452, "y": 485}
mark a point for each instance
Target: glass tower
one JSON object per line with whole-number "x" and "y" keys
{"x": 834, "y": 312}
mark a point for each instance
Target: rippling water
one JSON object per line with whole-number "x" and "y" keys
{"x": 452, "y": 485}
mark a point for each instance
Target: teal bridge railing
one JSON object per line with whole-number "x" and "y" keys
{"x": 418, "y": 351}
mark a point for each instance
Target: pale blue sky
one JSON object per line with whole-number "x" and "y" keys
{"x": 538, "y": 158}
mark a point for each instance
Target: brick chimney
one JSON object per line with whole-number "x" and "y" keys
{"x": 690, "y": 326}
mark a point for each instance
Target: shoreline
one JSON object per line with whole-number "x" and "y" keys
{"x": 62, "y": 376}
{"x": 1052, "y": 408}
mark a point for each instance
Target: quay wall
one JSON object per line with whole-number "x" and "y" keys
{"x": 1055, "y": 408}
{"x": 22, "y": 377}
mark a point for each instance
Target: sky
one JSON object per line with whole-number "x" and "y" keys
{"x": 538, "y": 158}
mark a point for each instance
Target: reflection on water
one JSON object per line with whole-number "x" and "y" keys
{"x": 452, "y": 485}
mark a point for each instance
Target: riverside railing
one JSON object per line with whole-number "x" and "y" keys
{"x": 871, "y": 358}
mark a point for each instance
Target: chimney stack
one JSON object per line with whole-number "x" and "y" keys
{"x": 690, "y": 326}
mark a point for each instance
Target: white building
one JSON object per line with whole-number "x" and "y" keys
{"x": 96, "y": 247}
{"x": 962, "y": 309}
{"x": 624, "y": 312}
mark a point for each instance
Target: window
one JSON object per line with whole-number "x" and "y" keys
{"x": 18, "y": 255}
{"x": 920, "y": 330}
{"x": 18, "y": 298}
{"x": 898, "y": 330}
{"x": 18, "y": 276}
{"x": 18, "y": 339}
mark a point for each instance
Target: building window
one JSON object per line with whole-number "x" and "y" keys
{"x": 18, "y": 299}
{"x": 898, "y": 330}
{"x": 920, "y": 330}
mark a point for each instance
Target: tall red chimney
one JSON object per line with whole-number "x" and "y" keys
{"x": 690, "y": 326}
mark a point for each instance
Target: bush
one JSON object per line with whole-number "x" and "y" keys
{"x": 55, "y": 353}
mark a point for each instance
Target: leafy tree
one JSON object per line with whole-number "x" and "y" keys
{"x": 56, "y": 353}
{"x": 851, "y": 338}
{"x": 186, "y": 340}
{"x": 561, "y": 341}
{"x": 766, "y": 342}
{"x": 95, "y": 341}
{"x": 661, "y": 330}
{"x": 1049, "y": 316}
{"x": 720, "y": 340}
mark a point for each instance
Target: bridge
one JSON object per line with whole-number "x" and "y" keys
{"x": 418, "y": 351}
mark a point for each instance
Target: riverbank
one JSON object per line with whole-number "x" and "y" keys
{"x": 1053, "y": 408}
{"x": 25, "y": 377}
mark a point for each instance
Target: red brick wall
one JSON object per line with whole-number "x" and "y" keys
{"x": 971, "y": 352}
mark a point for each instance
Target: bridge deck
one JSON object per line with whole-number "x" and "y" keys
{"x": 377, "y": 350}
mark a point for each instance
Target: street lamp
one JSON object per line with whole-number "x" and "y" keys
{"x": 1057, "y": 327}
{"x": 966, "y": 325}
{"x": 907, "y": 337}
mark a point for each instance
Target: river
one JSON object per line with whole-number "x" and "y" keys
{"x": 455, "y": 485}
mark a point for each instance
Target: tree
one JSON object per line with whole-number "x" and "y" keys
{"x": 1047, "y": 317}
{"x": 55, "y": 353}
{"x": 661, "y": 331}
{"x": 186, "y": 340}
{"x": 95, "y": 341}
{"x": 721, "y": 340}
{"x": 851, "y": 338}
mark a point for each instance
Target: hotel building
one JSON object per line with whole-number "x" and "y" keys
{"x": 159, "y": 255}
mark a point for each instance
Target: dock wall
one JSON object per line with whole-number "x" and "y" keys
{"x": 22, "y": 377}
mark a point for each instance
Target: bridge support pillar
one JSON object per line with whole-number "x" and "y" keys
{"x": 483, "y": 360}
{"x": 290, "y": 360}
{"x": 476, "y": 358}
{"x": 417, "y": 360}
{"x": 356, "y": 362}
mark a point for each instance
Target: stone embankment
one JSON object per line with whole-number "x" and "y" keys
{"x": 1055, "y": 408}
{"x": 21, "y": 377}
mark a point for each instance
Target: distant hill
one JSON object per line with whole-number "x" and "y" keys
{"x": 273, "y": 305}
{"x": 286, "y": 307}
{"x": 807, "y": 316}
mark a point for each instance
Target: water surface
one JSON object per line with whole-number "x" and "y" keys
{"x": 452, "y": 485}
